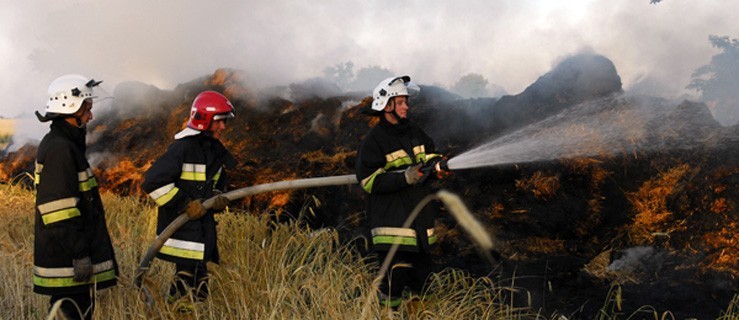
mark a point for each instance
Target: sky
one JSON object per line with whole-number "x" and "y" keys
{"x": 655, "y": 47}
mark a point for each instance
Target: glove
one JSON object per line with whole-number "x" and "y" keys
{"x": 195, "y": 209}
{"x": 413, "y": 174}
{"x": 219, "y": 203}
{"x": 82, "y": 269}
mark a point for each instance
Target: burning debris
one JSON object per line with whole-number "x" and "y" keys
{"x": 665, "y": 194}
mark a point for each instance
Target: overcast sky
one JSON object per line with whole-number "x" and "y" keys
{"x": 510, "y": 42}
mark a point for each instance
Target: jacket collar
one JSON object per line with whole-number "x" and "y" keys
{"x": 62, "y": 127}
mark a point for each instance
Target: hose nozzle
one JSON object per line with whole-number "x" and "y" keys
{"x": 442, "y": 165}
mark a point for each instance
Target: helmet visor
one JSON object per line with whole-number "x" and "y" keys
{"x": 411, "y": 87}
{"x": 223, "y": 116}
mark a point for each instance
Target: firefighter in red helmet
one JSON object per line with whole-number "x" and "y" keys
{"x": 190, "y": 171}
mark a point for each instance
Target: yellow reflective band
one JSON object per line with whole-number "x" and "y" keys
{"x": 368, "y": 182}
{"x": 216, "y": 177}
{"x": 403, "y": 236}
{"x": 60, "y": 215}
{"x": 182, "y": 253}
{"x": 419, "y": 149}
{"x": 68, "y": 282}
{"x": 193, "y": 176}
{"x": 184, "y": 249}
{"x": 37, "y": 173}
{"x": 164, "y": 194}
{"x": 405, "y": 241}
{"x": 88, "y": 185}
{"x": 398, "y": 163}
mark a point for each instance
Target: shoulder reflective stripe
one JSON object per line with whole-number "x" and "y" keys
{"x": 162, "y": 195}
{"x": 184, "y": 249}
{"x": 369, "y": 181}
{"x": 58, "y": 205}
{"x": 193, "y": 172}
{"x": 419, "y": 149}
{"x": 68, "y": 282}
{"x": 60, "y": 215}
{"x": 391, "y": 231}
{"x": 69, "y": 271}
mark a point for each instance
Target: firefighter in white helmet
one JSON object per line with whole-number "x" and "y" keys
{"x": 73, "y": 254}
{"x": 190, "y": 171}
{"x": 393, "y": 167}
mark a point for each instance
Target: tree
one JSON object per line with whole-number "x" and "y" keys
{"x": 367, "y": 78}
{"x": 718, "y": 81}
{"x": 340, "y": 74}
{"x": 471, "y": 85}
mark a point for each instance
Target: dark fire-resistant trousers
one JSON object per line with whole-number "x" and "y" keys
{"x": 190, "y": 279}
{"x": 83, "y": 301}
{"x": 407, "y": 270}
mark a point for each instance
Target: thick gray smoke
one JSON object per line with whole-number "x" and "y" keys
{"x": 509, "y": 43}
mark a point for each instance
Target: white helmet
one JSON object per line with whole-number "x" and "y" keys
{"x": 67, "y": 93}
{"x": 392, "y": 87}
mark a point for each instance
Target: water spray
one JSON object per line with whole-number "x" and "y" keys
{"x": 610, "y": 126}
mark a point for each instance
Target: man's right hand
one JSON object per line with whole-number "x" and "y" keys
{"x": 195, "y": 209}
{"x": 413, "y": 174}
{"x": 82, "y": 269}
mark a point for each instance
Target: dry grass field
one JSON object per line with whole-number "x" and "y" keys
{"x": 268, "y": 271}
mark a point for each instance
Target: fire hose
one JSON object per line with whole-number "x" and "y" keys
{"x": 436, "y": 166}
{"x": 233, "y": 195}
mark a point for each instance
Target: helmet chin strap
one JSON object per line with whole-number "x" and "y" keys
{"x": 396, "y": 115}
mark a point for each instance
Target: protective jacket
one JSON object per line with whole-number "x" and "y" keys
{"x": 191, "y": 168}
{"x": 70, "y": 219}
{"x": 385, "y": 152}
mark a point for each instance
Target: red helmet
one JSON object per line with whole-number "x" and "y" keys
{"x": 209, "y": 106}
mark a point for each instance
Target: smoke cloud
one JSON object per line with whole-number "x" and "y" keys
{"x": 510, "y": 43}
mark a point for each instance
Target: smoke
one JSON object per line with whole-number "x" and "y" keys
{"x": 510, "y": 43}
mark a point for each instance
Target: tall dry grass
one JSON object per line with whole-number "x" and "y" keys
{"x": 268, "y": 271}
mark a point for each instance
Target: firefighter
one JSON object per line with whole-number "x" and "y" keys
{"x": 73, "y": 254}
{"x": 392, "y": 169}
{"x": 190, "y": 171}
